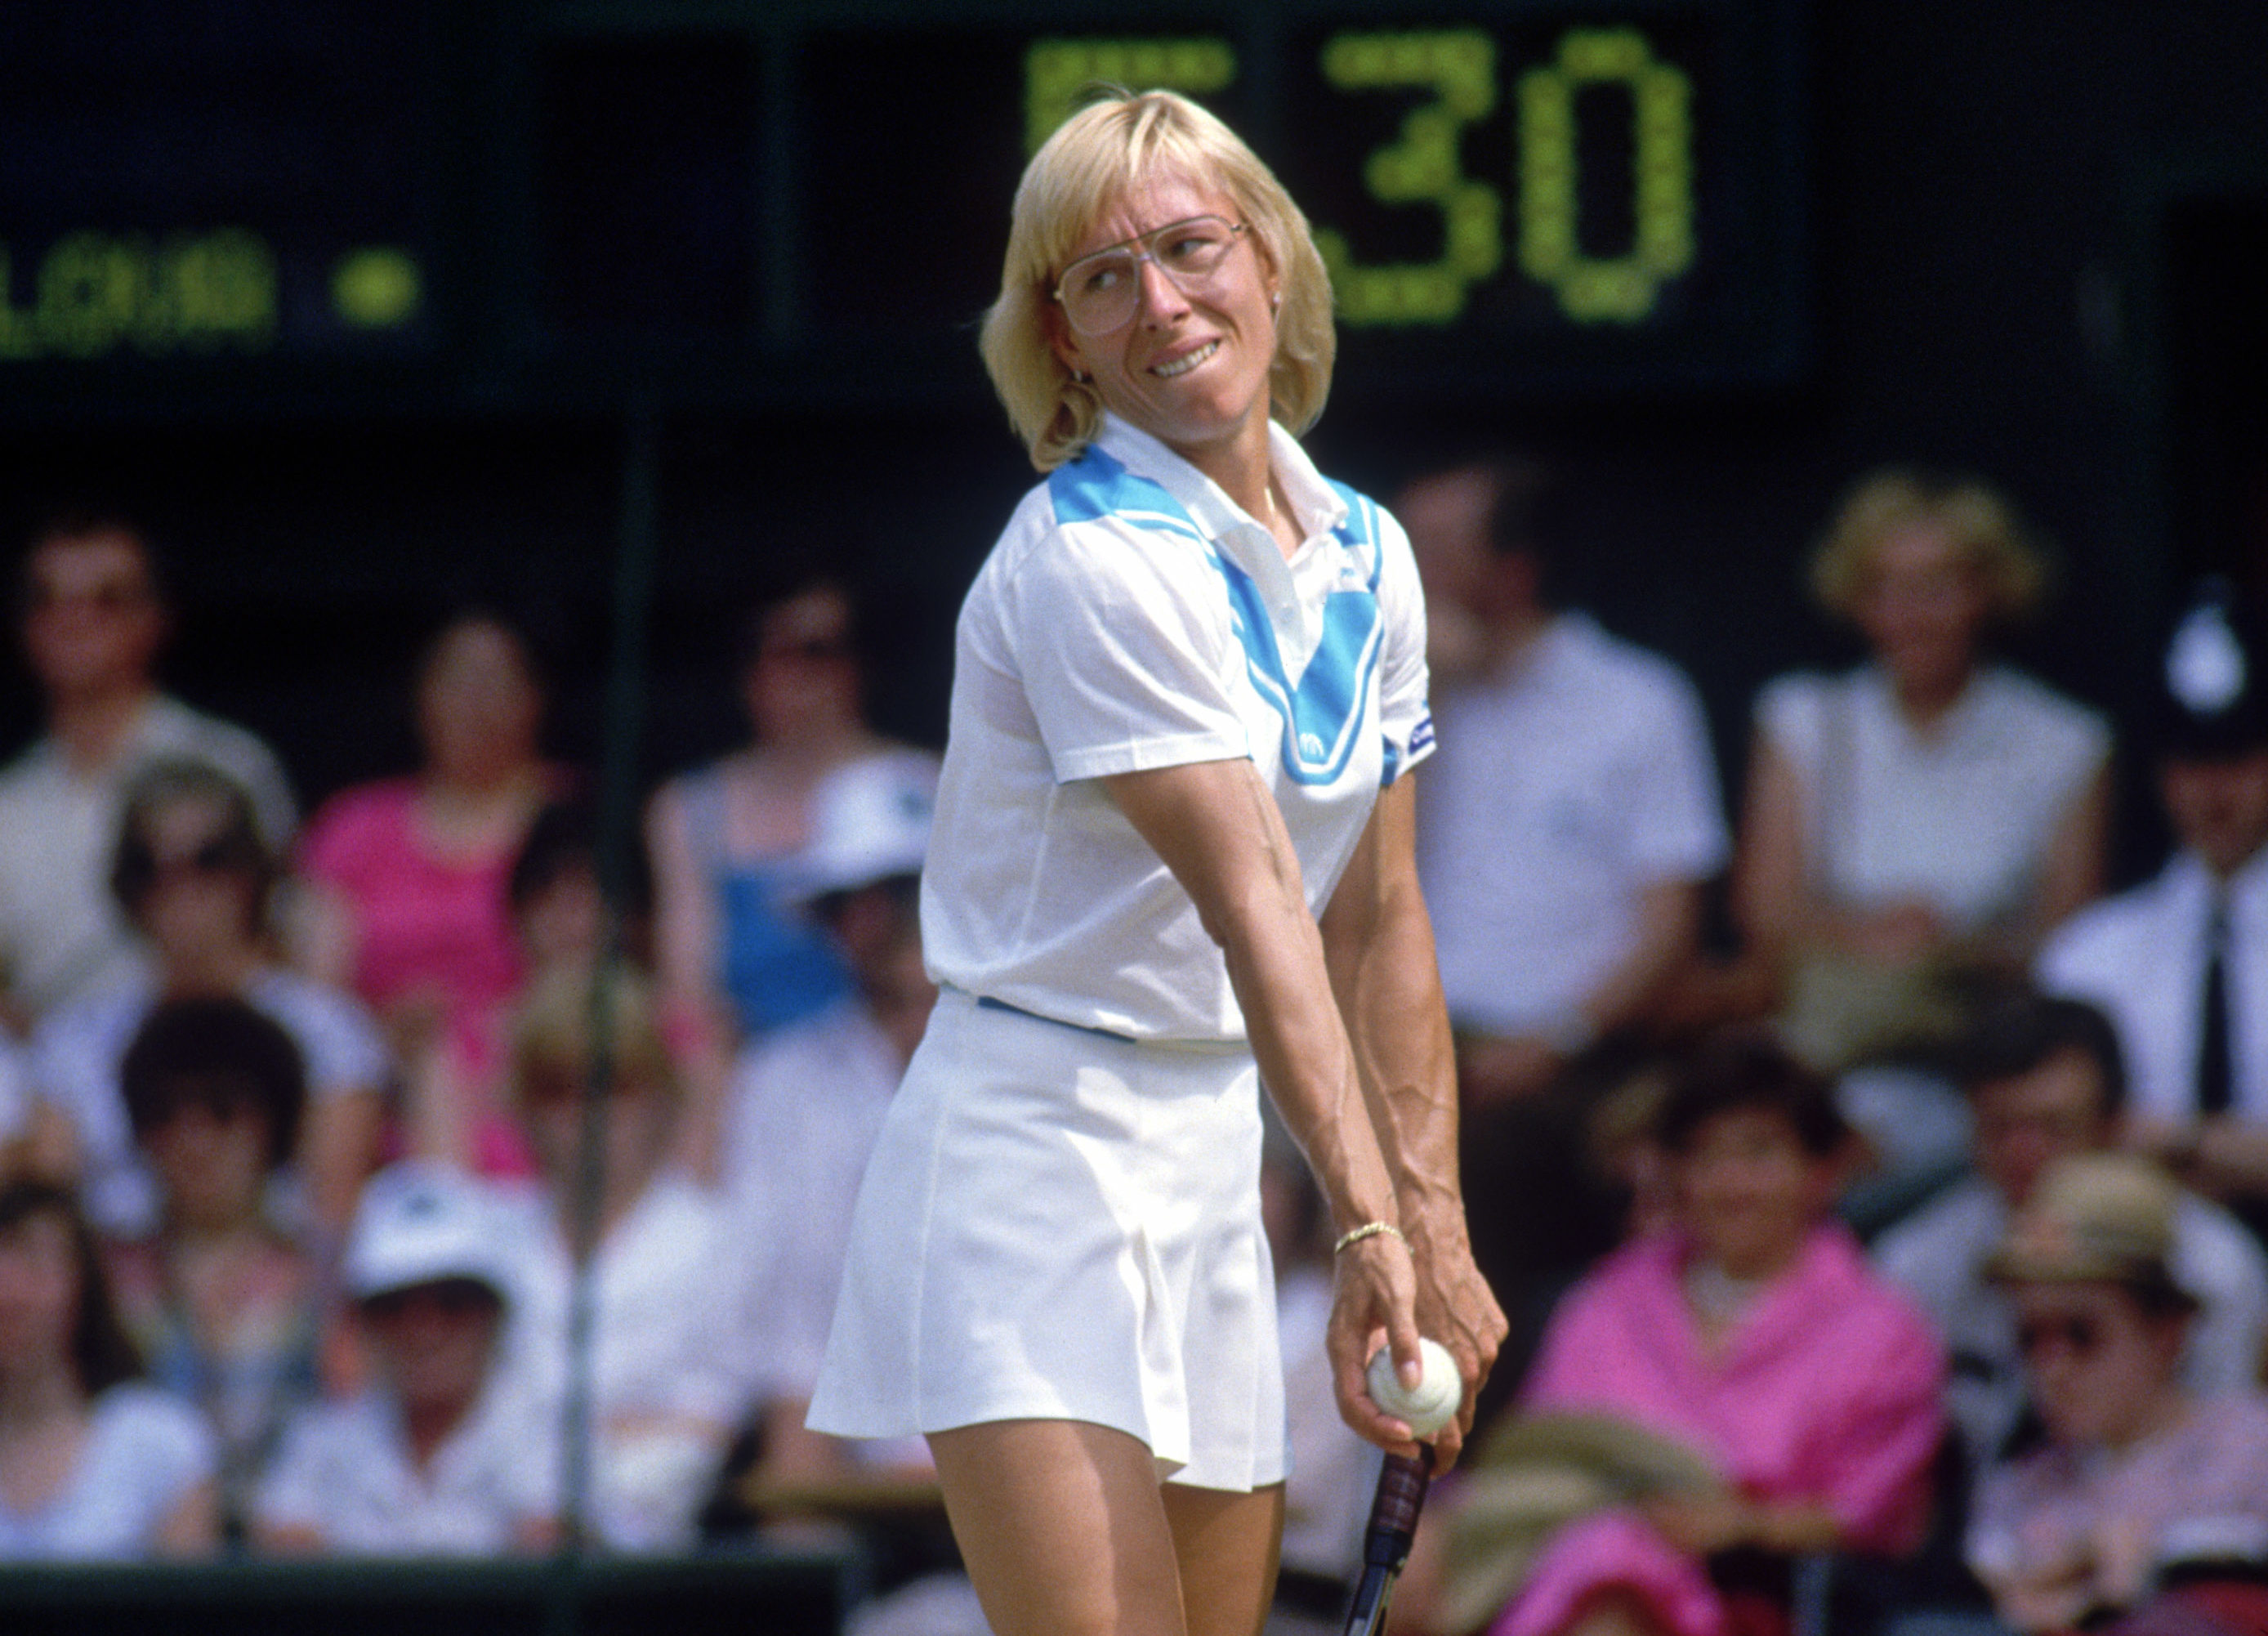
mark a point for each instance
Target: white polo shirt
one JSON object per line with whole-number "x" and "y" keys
{"x": 1132, "y": 616}
{"x": 1576, "y": 779}
{"x": 2141, "y": 958}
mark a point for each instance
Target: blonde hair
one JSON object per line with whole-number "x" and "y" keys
{"x": 1982, "y": 525}
{"x": 553, "y": 1041}
{"x": 1095, "y": 156}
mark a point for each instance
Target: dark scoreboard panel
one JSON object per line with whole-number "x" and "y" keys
{"x": 792, "y": 201}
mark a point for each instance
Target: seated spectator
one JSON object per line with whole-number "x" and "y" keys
{"x": 2180, "y": 963}
{"x": 729, "y": 940}
{"x": 94, "y": 1464}
{"x": 457, "y": 1106}
{"x": 1570, "y": 821}
{"x": 94, "y": 619}
{"x": 1753, "y": 1338}
{"x": 1929, "y": 813}
{"x": 2045, "y": 1079}
{"x": 2140, "y": 1482}
{"x": 808, "y": 1100}
{"x": 670, "y": 1346}
{"x": 223, "y": 1307}
{"x": 404, "y": 877}
{"x": 442, "y": 1456}
{"x": 195, "y": 879}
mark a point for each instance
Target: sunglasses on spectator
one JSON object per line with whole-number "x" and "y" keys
{"x": 810, "y": 650}
{"x": 117, "y": 596}
{"x": 2076, "y": 1333}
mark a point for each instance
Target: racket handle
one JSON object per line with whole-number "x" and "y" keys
{"x": 1394, "y": 1512}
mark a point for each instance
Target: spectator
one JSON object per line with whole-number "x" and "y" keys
{"x": 670, "y": 1352}
{"x": 2045, "y": 1080}
{"x": 1928, "y": 813}
{"x": 807, "y": 1099}
{"x": 2139, "y": 1480}
{"x": 1755, "y": 1337}
{"x": 94, "y": 1465}
{"x": 193, "y": 875}
{"x": 1569, "y": 823}
{"x": 442, "y": 1456}
{"x": 2181, "y": 963}
{"x": 93, "y": 619}
{"x": 223, "y": 1307}
{"x": 457, "y": 1105}
{"x": 405, "y": 899}
{"x": 720, "y": 836}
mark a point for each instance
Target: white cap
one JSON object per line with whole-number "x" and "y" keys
{"x": 869, "y": 821}
{"x": 420, "y": 1222}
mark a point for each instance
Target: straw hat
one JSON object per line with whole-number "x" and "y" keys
{"x": 2095, "y": 1217}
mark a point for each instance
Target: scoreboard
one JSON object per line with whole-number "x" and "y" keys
{"x": 805, "y": 202}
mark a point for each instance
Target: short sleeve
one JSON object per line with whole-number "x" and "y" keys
{"x": 344, "y": 1048}
{"x": 1791, "y": 716}
{"x": 1405, "y": 712}
{"x": 1123, "y": 657}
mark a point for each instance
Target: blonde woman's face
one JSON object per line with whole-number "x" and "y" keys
{"x": 1922, "y": 606}
{"x": 1190, "y": 367}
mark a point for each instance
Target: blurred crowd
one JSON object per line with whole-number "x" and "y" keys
{"x": 1865, "y": 1185}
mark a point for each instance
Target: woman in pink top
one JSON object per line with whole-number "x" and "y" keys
{"x": 405, "y": 900}
{"x": 1754, "y": 1333}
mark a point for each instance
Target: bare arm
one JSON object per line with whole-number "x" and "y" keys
{"x": 191, "y": 1528}
{"x": 685, "y": 907}
{"x": 2073, "y": 872}
{"x": 338, "y": 1149}
{"x": 1771, "y": 895}
{"x": 1378, "y": 945}
{"x": 1219, "y": 831}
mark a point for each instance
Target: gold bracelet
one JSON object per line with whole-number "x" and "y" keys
{"x": 1368, "y": 1229}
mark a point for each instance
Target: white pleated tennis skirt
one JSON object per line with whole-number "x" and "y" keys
{"x": 1059, "y": 1224}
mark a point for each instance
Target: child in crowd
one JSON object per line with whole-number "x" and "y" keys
{"x": 94, "y": 1464}
{"x": 223, "y": 1305}
{"x": 2141, "y": 1483}
{"x": 444, "y": 1456}
{"x": 1799, "y": 1391}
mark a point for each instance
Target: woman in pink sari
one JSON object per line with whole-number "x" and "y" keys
{"x": 1754, "y": 1333}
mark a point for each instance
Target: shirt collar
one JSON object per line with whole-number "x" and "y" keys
{"x": 1315, "y": 506}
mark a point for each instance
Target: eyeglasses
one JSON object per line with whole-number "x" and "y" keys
{"x": 1100, "y": 292}
{"x": 2077, "y": 1335}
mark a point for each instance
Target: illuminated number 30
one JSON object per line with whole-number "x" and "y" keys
{"x": 1423, "y": 168}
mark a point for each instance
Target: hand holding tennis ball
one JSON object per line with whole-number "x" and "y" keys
{"x": 1428, "y": 1406}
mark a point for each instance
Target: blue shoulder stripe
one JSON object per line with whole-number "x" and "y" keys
{"x": 1096, "y": 485}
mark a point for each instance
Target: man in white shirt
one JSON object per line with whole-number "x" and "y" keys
{"x": 2045, "y": 1080}
{"x": 2181, "y": 962}
{"x": 1568, "y": 825}
{"x": 92, "y": 622}
{"x": 446, "y": 1454}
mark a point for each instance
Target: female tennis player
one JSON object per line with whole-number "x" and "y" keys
{"x": 1172, "y": 861}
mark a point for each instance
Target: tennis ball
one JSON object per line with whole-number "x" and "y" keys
{"x": 1433, "y": 1404}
